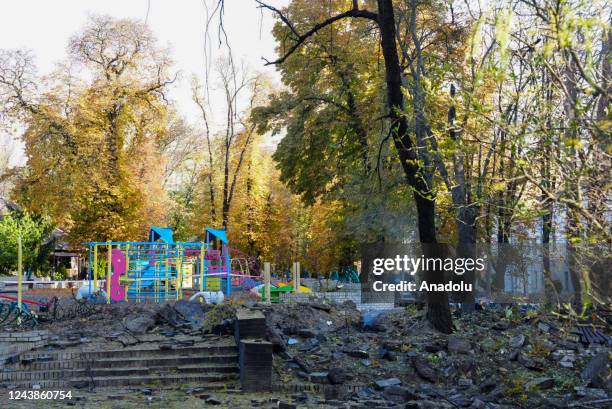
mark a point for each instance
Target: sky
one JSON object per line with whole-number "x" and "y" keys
{"x": 45, "y": 27}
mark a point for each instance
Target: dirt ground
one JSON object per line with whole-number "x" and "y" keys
{"x": 498, "y": 357}
{"x": 174, "y": 398}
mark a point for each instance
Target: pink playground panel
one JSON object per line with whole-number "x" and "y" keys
{"x": 119, "y": 264}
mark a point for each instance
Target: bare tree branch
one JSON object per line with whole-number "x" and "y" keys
{"x": 354, "y": 12}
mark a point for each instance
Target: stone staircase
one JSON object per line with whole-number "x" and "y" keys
{"x": 211, "y": 364}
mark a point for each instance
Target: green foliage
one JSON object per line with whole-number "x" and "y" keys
{"x": 538, "y": 350}
{"x": 34, "y": 230}
{"x": 333, "y": 154}
{"x": 516, "y": 388}
{"x": 60, "y": 274}
{"x": 433, "y": 359}
{"x": 101, "y": 266}
{"x": 411, "y": 310}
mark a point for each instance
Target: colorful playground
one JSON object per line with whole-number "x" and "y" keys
{"x": 163, "y": 270}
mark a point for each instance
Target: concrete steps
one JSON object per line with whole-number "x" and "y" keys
{"x": 119, "y": 371}
{"x": 144, "y": 351}
{"x": 168, "y": 360}
{"x": 211, "y": 382}
{"x": 212, "y": 363}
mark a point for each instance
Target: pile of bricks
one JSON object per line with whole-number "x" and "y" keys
{"x": 255, "y": 365}
{"x": 255, "y": 353}
{"x": 250, "y": 324}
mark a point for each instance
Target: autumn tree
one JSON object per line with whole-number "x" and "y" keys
{"x": 536, "y": 88}
{"x": 235, "y": 136}
{"x": 567, "y": 50}
{"x": 408, "y": 139}
{"x": 7, "y": 150}
{"x": 93, "y": 140}
{"x": 333, "y": 153}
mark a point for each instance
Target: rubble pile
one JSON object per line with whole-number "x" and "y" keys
{"x": 311, "y": 321}
{"x": 499, "y": 357}
{"x": 495, "y": 358}
{"x": 132, "y": 323}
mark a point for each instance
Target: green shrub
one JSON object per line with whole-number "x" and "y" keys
{"x": 33, "y": 231}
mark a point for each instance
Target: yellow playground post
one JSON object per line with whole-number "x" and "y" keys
{"x": 19, "y": 272}
{"x": 95, "y": 269}
{"x": 108, "y": 272}
{"x": 179, "y": 272}
{"x": 267, "y": 282}
{"x": 202, "y": 267}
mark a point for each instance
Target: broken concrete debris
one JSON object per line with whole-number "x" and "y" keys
{"x": 493, "y": 360}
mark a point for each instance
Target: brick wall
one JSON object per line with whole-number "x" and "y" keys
{"x": 12, "y": 343}
{"x": 315, "y": 285}
{"x": 340, "y": 297}
{"x": 24, "y": 336}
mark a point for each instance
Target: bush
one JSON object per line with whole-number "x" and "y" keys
{"x": 33, "y": 231}
{"x": 60, "y": 274}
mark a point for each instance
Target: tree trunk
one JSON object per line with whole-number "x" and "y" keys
{"x": 466, "y": 212}
{"x": 114, "y": 142}
{"x": 250, "y": 225}
{"x": 226, "y": 176}
{"x": 225, "y": 210}
{"x": 573, "y": 230}
{"x": 211, "y": 192}
{"x": 547, "y": 216}
{"x": 466, "y": 249}
{"x": 550, "y": 290}
{"x": 356, "y": 123}
{"x": 503, "y": 240}
{"x": 503, "y": 223}
{"x": 438, "y": 312}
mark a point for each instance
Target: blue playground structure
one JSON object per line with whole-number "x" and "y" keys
{"x": 160, "y": 269}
